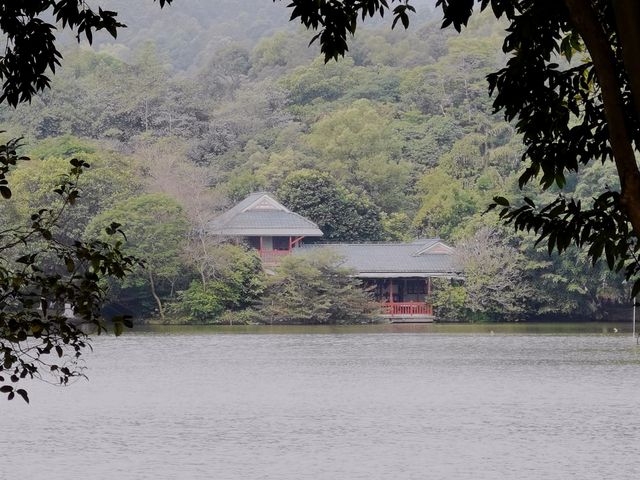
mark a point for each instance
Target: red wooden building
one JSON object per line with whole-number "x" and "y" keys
{"x": 400, "y": 274}
{"x": 265, "y": 224}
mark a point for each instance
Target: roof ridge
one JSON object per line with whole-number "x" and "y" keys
{"x": 257, "y": 198}
{"x": 396, "y": 244}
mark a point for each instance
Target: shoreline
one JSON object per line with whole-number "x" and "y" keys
{"x": 517, "y": 328}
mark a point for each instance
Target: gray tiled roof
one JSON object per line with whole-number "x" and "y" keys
{"x": 277, "y": 221}
{"x": 387, "y": 260}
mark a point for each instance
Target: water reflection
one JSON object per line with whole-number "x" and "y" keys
{"x": 446, "y": 328}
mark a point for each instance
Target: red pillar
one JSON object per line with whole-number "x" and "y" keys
{"x": 391, "y": 290}
{"x": 428, "y": 299}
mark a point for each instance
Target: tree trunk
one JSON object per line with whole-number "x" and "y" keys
{"x": 146, "y": 115}
{"x": 203, "y": 278}
{"x": 627, "y": 13}
{"x": 586, "y": 22}
{"x": 155, "y": 296}
{"x": 205, "y": 256}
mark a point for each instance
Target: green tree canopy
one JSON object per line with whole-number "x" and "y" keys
{"x": 495, "y": 286}
{"x": 109, "y": 180}
{"x": 155, "y": 226}
{"x": 234, "y": 283}
{"x": 340, "y": 214}
{"x": 314, "y": 288}
{"x": 571, "y": 85}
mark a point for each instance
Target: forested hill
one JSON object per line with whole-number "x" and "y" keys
{"x": 189, "y": 31}
{"x": 196, "y": 106}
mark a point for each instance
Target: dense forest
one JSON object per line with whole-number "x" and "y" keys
{"x": 180, "y": 118}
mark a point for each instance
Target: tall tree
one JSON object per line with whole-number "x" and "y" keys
{"x": 156, "y": 227}
{"x": 315, "y": 289}
{"x": 569, "y": 114}
{"x": 495, "y": 286}
{"x": 340, "y": 214}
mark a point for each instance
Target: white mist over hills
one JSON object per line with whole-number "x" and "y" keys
{"x": 189, "y": 31}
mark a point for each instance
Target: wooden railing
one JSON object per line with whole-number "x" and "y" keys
{"x": 407, "y": 308}
{"x": 272, "y": 257}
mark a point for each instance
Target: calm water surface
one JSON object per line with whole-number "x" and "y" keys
{"x": 361, "y": 403}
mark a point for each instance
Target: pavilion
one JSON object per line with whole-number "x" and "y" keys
{"x": 400, "y": 275}
{"x": 266, "y": 225}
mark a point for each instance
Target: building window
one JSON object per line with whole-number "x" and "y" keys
{"x": 281, "y": 243}
{"x": 415, "y": 287}
{"x": 254, "y": 242}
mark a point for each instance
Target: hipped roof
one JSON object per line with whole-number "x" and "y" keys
{"x": 260, "y": 214}
{"x": 423, "y": 258}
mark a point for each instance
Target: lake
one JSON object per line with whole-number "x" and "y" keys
{"x": 373, "y": 402}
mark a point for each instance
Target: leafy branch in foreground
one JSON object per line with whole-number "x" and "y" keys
{"x": 51, "y": 292}
{"x": 335, "y": 20}
{"x": 603, "y": 228}
{"x": 30, "y": 41}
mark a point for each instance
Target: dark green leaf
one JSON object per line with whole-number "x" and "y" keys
{"x": 501, "y": 201}
{"x": 23, "y": 394}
